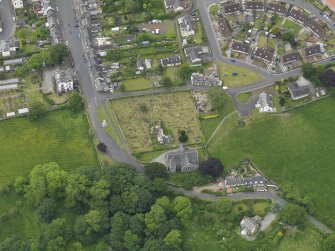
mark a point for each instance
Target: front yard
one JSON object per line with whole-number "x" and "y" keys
{"x": 175, "y": 111}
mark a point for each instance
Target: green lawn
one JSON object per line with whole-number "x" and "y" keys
{"x": 292, "y": 26}
{"x": 59, "y": 136}
{"x": 244, "y": 76}
{"x": 263, "y": 42}
{"x": 137, "y": 84}
{"x": 292, "y": 148}
{"x": 244, "y": 97}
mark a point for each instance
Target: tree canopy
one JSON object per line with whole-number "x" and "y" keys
{"x": 75, "y": 102}
{"x": 293, "y": 214}
{"x": 211, "y": 166}
{"x": 215, "y": 97}
{"x": 155, "y": 170}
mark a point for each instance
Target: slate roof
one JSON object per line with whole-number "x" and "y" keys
{"x": 241, "y": 47}
{"x": 171, "y": 60}
{"x": 263, "y": 54}
{"x": 225, "y": 27}
{"x": 290, "y": 57}
{"x": 277, "y": 8}
{"x": 312, "y": 50}
{"x": 181, "y": 158}
{"x": 317, "y": 29}
{"x": 254, "y": 5}
{"x": 196, "y": 52}
{"x": 298, "y": 15}
{"x": 242, "y": 181}
{"x": 231, "y": 8}
{"x": 298, "y": 91}
{"x": 264, "y": 100}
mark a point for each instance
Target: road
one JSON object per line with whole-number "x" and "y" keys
{"x": 250, "y": 196}
{"x": 93, "y": 99}
{"x": 7, "y": 13}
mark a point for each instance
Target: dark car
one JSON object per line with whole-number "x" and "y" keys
{"x": 233, "y": 60}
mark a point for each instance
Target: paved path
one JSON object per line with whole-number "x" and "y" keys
{"x": 7, "y": 13}
{"x": 251, "y": 196}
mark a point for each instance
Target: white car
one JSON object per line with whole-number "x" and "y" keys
{"x": 67, "y": 43}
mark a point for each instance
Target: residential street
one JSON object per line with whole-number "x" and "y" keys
{"x": 7, "y": 13}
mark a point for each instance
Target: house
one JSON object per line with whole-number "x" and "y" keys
{"x": 14, "y": 61}
{"x": 312, "y": 50}
{"x": 187, "y": 26}
{"x": 250, "y": 225}
{"x": 277, "y": 8}
{"x": 264, "y": 103}
{"x": 9, "y": 84}
{"x": 64, "y": 80}
{"x": 298, "y": 16}
{"x": 317, "y": 29}
{"x": 201, "y": 80}
{"x": 143, "y": 64}
{"x": 174, "y": 5}
{"x": 171, "y": 61}
{"x": 197, "y": 54}
{"x": 240, "y": 47}
{"x": 254, "y": 6}
{"x": 225, "y": 27}
{"x": 300, "y": 89}
{"x": 18, "y": 4}
{"x": 236, "y": 181}
{"x": 158, "y": 131}
{"x": 182, "y": 160}
{"x": 9, "y": 47}
{"x": 290, "y": 57}
{"x": 230, "y": 8}
{"x": 263, "y": 54}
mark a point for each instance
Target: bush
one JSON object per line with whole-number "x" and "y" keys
{"x": 293, "y": 214}
{"x": 102, "y": 147}
{"x": 75, "y": 102}
{"x": 36, "y": 111}
{"x": 183, "y": 137}
{"x": 5, "y": 188}
{"x": 4, "y": 217}
{"x": 189, "y": 180}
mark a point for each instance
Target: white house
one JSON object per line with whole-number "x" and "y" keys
{"x": 264, "y": 103}
{"x": 17, "y": 4}
{"x": 64, "y": 81}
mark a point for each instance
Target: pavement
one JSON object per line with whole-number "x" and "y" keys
{"x": 7, "y": 13}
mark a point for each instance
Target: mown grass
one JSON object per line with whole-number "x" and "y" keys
{"x": 295, "y": 147}
{"x": 244, "y": 76}
{"x": 291, "y": 26}
{"x": 244, "y": 97}
{"x": 137, "y": 84}
{"x": 59, "y": 136}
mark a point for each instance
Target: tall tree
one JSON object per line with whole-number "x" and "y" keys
{"x": 293, "y": 214}
{"x": 173, "y": 240}
{"x": 211, "y": 166}
{"x": 183, "y": 209}
{"x": 155, "y": 170}
{"x": 215, "y": 97}
{"x": 75, "y": 102}
{"x": 36, "y": 111}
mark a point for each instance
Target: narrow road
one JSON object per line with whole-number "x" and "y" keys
{"x": 249, "y": 196}
{"x": 7, "y": 13}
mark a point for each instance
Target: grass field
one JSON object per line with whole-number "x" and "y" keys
{"x": 59, "y": 136}
{"x": 292, "y": 26}
{"x": 137, "y": 84}
{"x": 244, "y": 76}
{"x": 244, "y": 97}
{"x": 294, "y": 147}
{"x": 175, "y": 111}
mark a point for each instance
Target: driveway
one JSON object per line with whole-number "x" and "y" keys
{"x": 7, "y": 13}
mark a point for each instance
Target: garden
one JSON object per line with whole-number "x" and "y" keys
{"x": 175, "y": 111}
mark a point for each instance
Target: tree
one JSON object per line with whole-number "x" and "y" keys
{"x": 211, "y": 166}
{"x": 76, "y": 192}
{"x": 35, "y": 61}
{"x": 14, "y": 243}
{"x": 46, "y": 209}
{"x": 97, "y": 221}
{"x": 155, "y": 218}
{"x": 275, "y": 206}
{"x": 131, "y": 240}
{"x": 166, "y": 82}
{"x": 328, "y": 78}
{"x": 312, "y": 73}
{"x": 289, "y": 37}
{"x": 102, "y": 147}
{"x": 75, "y": 102}
{"x": 282, "y": 101}
{"x": 99, "y": 192}
{"x": 155, "y": 170}
{"x": 173, "y": 239}
{"x": 293, "y": 214}
{"x": 222, "y": 206}
{"x": 36, "y": 111}
{"x": 183, "y": 137}
{"x": 328, "y": 243}
{"x": 183, "y": 209}
{"x": 20, "y": 184}
{"x": 58, "y": 52}
{"x": 184, "y": 71}
{"x": 119, "y": 225}
{"x": 215, "y": 97}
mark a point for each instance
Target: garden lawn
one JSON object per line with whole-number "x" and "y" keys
{"x": 244, "y": 76}
{"x": 137, "y": 84}
{"x": 244, "y": 97}
{"x": 292, "y": 27}
{"x": 59, "y": 137}
{"x": 175, "y": 111}
{"x": 294, "y": 147}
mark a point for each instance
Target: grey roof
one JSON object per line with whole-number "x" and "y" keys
{"x": 196, "y": 52}
{"x": 250, "y": 223}
{"x": 175, "y": 60}
{"x": 62, "y": 76}
{"x": 312, "y": 50}
{"x": 263, "y": 54}
{"x": 188, "y": 23}
{"x": 13, "y": 61}
{"x": 8, "y": 87}
{"x": 278, "y": 8}
{"x": 241, "y": 181}
{"x": 225, "y": 27}
{"x": 317, "y": 29}
{"x": 254, "y": 5}
{"x": 298, "y": 15}
{"x": 231, "y": 8}
{"x": 298, "y": 91}
{"x": 9, "y": 81}
{"x": 181, "y": 158}
{"x": 264, "y": 100}
{"x": 290, "y": 57}
{"x": 242, "y": 47}
{"x": 199, "y": 79}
